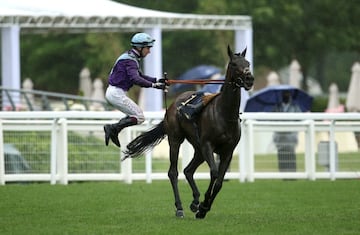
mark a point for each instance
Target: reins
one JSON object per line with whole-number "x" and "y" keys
{"x": 193, "y": 81}
{"x": 196, "y": 81}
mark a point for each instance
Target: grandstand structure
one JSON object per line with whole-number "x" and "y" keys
{"x": 82, "y": 16}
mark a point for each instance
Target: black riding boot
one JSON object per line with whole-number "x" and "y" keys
{"x": 112, "y": 130}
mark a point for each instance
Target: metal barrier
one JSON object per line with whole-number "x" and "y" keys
{"x": 68, "y": 146}
{"x": 32, "y": 100}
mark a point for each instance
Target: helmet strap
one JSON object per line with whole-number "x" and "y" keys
{"x": 138, "y": 51}
{"x": 141, "y": 52}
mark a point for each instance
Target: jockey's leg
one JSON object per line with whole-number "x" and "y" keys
{"x": 112, "y": 130}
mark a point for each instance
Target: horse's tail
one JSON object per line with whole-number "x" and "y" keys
{"x": 145, "y": 141}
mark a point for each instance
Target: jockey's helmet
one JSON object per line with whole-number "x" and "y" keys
{"x": 142, "y": 40}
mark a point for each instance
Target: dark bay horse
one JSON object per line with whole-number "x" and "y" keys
{"x": 215, "y": 130}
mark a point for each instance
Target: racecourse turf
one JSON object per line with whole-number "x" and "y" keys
{"x": 263, "y": 207}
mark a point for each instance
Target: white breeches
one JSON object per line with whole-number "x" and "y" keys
{"x": 118, "y": 98}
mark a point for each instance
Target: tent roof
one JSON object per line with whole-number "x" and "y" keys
{"x": 106, "y": 15}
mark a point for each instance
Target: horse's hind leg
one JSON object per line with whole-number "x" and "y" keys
{"x": 173, "y": 176}
{"x": 189, "y": 174}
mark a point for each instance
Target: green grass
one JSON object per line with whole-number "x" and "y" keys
{"x": 262, "y": 207}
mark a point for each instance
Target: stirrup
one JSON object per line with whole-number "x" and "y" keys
{"x": 186, "y": 112}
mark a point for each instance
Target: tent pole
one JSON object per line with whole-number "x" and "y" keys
{"x": 10, "y": 61}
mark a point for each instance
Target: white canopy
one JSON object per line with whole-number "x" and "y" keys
{"x": 102, "y": 16}
{"x": 105, "y": 15}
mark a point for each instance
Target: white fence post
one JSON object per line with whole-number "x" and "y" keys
{"x": 148, "y": 162}
{"x": 250, "y": 158}
{"x": 332, "y": 161}
{"x": 54, "y": 148}
{"x": 148, "y": 166}
{"x": 126, "y": 170}
{"x": 126, "y": 165}
{"x": 187, "y": 154}
{"x": 62, "y": 152}
{"x": 310, "y": 150}
{"x": 243, "y": 154}
{"x": 2, "y": 156}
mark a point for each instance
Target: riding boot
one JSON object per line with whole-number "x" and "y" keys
{"x": 112, "y": 130}
{"x": 190, "y": 110}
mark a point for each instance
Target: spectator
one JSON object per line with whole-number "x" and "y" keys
{"x": 286, "y": 142}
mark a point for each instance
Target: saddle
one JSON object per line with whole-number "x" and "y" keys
{"x": 194, "y": 104}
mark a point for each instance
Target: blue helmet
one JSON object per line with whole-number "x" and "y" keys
{"x": 142, "y": 40}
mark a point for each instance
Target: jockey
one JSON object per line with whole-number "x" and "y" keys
{"x": 125, "y": 74}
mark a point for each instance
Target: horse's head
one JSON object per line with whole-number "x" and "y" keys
{"x": 238, "y": 70}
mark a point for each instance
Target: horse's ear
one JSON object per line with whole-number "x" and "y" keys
{"x": 229, "y": 51}
{"x": 244, "y": 52}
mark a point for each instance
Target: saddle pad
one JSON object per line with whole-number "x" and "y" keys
{"x": 207, "y": 98}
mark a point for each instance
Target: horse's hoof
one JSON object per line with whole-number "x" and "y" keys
{"x": 200, "y": 215}
{"x": 194, "y": 207}
{"x": 180, "y": 214}
{"x": 202, "y": 211}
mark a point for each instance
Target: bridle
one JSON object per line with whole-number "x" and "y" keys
{"x": 239, "y": 80}
{"x": 237, "y": 83}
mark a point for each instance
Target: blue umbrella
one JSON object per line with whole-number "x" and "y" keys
{"x": 267, "y": 98}
{"x": 198, "y": 72}
{"x": 212, "y": 88}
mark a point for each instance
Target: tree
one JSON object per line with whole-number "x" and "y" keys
{"x": 309, "y": 31}
{"x": 321, "y": 34}
{"x": 53, "y": 61}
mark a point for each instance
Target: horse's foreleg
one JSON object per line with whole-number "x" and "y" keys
{"x": 204, "y": 206}
{"x": 189, "y": 174}
{"x": 173, "y": 176}
{"x": 214, "y": 188}
{"x": 208, "y": 155}
{"x": 223, "y": 167}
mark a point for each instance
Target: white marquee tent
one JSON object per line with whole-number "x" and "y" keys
{"x": 79, "y": 16}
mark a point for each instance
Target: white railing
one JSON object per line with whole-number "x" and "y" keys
{"x": 256, "y": 129}
{"x": 310, "y": 124}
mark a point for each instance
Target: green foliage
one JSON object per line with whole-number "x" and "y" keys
{"x": 53, "y": 61}
{"x": 337, "y": 67}
{"x": 179, "y": 59}
{"x": 319, "y": 104}
{"x": 263, "y": 207}
{"x": 184, "y": 6}
{"x": 103, "y": 49}
{"x": 321, "y": 35}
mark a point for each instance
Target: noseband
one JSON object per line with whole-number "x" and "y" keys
{"x": 239, "y": 81}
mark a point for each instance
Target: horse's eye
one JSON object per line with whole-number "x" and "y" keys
{"x": 233, "y": 64}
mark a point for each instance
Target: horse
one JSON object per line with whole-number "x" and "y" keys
{"x": 215, "y": 130}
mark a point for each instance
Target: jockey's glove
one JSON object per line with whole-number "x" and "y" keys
{"x": 159, "y": 85}
{"x": 163, "y": 80}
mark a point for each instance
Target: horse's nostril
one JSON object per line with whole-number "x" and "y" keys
{"x": 250, "y": 77}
